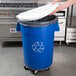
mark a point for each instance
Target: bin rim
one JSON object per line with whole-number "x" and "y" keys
{"x": 38, "y": 24}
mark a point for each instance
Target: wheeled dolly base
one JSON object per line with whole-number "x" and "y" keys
{"x": 35, "y": 72}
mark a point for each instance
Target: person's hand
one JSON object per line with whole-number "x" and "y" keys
{"x": 63, "y": 6}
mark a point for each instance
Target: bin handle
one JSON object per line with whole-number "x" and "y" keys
{"x": 18, "y": 27}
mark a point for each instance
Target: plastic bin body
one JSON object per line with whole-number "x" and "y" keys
{"x": 38, "y": 45}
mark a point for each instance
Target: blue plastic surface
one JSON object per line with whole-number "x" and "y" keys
{"x": 38, "y": 45}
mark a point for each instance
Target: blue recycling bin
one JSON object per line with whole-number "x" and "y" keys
{"x": 38, "y": 41}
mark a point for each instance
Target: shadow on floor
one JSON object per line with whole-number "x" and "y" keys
{"x": 12, "y": 44}
{"x": 19, "y": 44}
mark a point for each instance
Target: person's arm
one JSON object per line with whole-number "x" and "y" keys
{"x": 63, "y": 6}
{"x": 66, "y": 5}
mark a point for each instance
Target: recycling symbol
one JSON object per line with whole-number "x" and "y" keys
{"x": 38, "y": 47}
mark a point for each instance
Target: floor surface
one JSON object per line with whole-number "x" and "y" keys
{"x": 64, "y": 64}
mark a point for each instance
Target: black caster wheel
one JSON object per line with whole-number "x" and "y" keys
{"x": 35, "y": 72}
{"x": 47, "y": 69}
{"x": 26, "y": 68}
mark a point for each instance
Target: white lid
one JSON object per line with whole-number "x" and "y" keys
{"x": 37, "y": 13}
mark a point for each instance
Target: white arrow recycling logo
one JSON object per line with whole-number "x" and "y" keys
{"x": 38, "y": 47}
